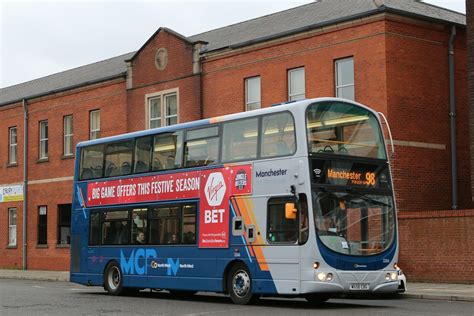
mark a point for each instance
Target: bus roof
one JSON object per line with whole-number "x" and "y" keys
{"x": 203, "y": 122}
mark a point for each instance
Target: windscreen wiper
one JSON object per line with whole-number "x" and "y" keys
{"x": 367, "y": 198}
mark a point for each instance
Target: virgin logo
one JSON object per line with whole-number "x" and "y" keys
{"x": 215, "y": 189}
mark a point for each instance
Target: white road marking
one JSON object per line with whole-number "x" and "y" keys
{"x": 79, "y": 289}
{"x": 220, "y": 311}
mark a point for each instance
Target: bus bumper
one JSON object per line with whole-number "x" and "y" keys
{"x": 351, "y": 283}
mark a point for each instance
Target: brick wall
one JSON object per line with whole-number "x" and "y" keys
{"x": 179, "y": 65}
{"x": 224, "y": 75}
{"x": 436, "y": 246}
{"x": 418, "y": 103}
{"x": 178, "y": 75}
{"x": 110, "y": 98}
{"x": 189, "y": 99}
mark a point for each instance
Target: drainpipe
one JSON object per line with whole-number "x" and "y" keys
{"x": 452, "y": 116}
{"x": 25, "y": 181}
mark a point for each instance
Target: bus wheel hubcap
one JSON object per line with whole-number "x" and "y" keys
{"x": 241, "y": 283}
{"x": 114, "y": 278}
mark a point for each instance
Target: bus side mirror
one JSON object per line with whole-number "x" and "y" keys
{"x": 290, "y": 211}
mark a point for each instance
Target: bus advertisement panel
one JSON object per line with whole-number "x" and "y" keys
{"x": 212, "y": 187}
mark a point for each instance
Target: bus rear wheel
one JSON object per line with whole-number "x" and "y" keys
{"x": 113, "y": 279}
{"x": 239, "y": 285}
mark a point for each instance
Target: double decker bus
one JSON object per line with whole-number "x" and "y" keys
{"x": 293, "y": 200}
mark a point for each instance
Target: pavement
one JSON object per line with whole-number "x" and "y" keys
{"x": 431, "y": 291}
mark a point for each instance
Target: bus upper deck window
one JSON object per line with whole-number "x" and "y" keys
{"x": 202, "y": 146}
{"x": 118, "y": 159}
{"x": 142, "y": 155}
{"x": 167, "y": 153}
{"x": 342, "y": 128}
{"x": 278, "y": 135}
{"x": 240, "y": 140}
{"x": 92, "y": 162}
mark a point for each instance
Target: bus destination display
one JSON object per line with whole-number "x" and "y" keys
{"x": 350, "y": 173}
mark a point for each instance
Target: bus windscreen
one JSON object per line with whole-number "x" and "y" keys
{"x": 343, "y": 129}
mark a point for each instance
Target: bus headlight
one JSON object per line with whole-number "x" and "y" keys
{"x": 394, "y": 276}
{"x": 325, "y": 277}
{"x": 391, "y": 276}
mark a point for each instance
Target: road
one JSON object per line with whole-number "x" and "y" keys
{"x": 24, "y": 297}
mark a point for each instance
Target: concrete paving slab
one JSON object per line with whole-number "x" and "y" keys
{"x": 35, "y": 275}
{"x": 441, "y": 291}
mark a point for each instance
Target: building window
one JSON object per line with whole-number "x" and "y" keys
{"x": 252, "y": 94}
{"x": 42, "y": 225}
{"x": 163, "y": 110}
{"x": 12, "y": 227}
{"x": 94, "y": 123}
{"x": 12, "y": 145}
{"x": 64, "y": 224}
{"x": 296, "y": 84}
{"x": 68, "y": 135}
{"x": 345, "y": 78}
{"x": 43, "y": 140}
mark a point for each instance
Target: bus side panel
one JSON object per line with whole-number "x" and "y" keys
{"x": 276, "y": 267}
{"x": 282, "y": 260}
{"x": 79, "y": 239}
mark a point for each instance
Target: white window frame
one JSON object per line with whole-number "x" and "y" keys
{"x": 93, "y": 130}
{"x": 336, "y": 84}
{"x": 299, "y": 95}
{"x": 253, "y": 104}
{"x": 68, "y": 134}
{"x": 43, "y": 140}
{"x": 162, "y": 95}
{"x": 12, "y": 228}
{"x": 12, "y": 147}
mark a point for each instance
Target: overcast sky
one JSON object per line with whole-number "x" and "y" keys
{"x": 40, "y": 37}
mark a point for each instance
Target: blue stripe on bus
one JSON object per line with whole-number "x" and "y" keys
{"x": 351, "y": 262}
{"x": 243, "y": 239}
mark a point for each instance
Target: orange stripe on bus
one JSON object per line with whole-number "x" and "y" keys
{"x": 234, "y": 205}
{"x": 246, "y": 206}
{"x": 216, "y": 119}
{"x": 260, "y": 241}
{"x": 247, "y": 222}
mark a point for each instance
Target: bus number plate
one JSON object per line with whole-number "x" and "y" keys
{"x": 359, "y": 286}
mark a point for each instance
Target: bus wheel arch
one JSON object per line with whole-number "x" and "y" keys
{"x": 238, "y": 283}
{"x": 113, "y": 278}
{"x": 225, "y": 275}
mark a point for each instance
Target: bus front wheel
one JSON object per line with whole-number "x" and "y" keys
{"x": 239, "y": 285}
{"x": 113, "y": 279}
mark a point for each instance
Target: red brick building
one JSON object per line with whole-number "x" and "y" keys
{"x": 389, "y": 55}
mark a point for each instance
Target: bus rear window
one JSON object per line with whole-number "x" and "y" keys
{"x": 92, "y": 162}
